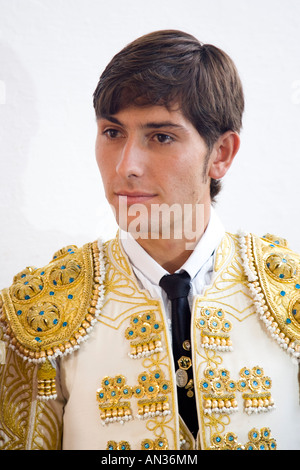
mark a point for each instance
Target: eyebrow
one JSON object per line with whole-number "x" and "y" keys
{"x": 148, "y": 125}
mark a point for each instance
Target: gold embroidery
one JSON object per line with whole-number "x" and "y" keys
{"x": 25, "y": 422}
{"x": 274, "y": 280}
{"x": 48, "y": 312}
{"x": 130, "y": 301}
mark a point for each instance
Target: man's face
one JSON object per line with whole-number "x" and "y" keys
{"x": 151, "y": 156}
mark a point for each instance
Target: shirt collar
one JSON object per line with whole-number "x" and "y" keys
{"x": 204, "y": 249}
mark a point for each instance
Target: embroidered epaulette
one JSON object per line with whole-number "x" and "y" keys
{"x": 273, "y": 272}
{"x": 48, "y": 312}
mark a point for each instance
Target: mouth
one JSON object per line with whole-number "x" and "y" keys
{"x": 136, "y": 197}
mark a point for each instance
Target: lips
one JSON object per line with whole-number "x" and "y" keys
{"x": 135, "y": 197}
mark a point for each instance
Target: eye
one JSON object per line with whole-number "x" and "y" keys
{"x": 163, "y": 138}
{"x": 112, "y": 133}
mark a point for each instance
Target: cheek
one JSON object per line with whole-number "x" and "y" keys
{"x": 102, "y": 163}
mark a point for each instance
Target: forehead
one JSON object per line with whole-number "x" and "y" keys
{"x": 150, "y": 116}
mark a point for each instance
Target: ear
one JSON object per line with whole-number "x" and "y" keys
{"x": 223, "y": 153}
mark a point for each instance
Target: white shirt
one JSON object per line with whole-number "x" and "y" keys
{"x": 199, "y": 265}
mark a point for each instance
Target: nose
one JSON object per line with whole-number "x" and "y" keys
{"x": 131, "y": 162}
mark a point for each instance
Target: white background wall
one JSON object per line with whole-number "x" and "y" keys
{"x": 51, "y": 55}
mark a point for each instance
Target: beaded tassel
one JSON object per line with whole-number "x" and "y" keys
{"x": 46, "y": 381}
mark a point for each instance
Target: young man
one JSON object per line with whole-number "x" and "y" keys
{"x": 192, "y": 334}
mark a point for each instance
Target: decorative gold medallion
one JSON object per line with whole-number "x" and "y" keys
{"x": 218, "y": 391}
{"x": 122, "y": 445}
{"x": 110, "y": 398}
{"x": 256, "y": 390}
{"x": 144, "y": 336}
{"x": 258, "y": 440}
{"x": 214, "y": 329}
{"x": 152, "y": 390}
{"x": 184, "y": 363}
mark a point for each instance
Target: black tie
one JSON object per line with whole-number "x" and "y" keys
{"x": 177, "y": 287}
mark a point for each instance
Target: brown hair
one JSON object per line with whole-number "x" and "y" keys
{"x": 172, "y": 67}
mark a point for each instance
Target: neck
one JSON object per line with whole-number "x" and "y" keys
{"x": 172, "y": 253}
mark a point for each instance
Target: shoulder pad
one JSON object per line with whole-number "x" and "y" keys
{"x": 274, "y": 274}
{"x": 47, "y": 312}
